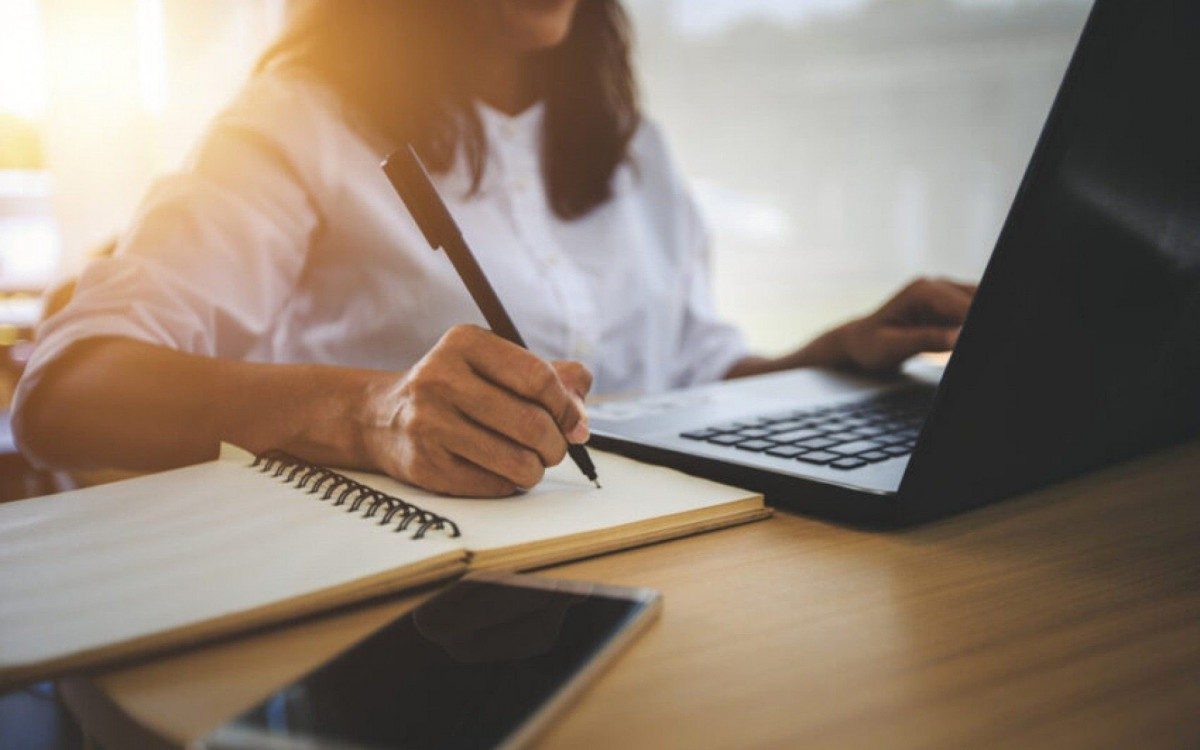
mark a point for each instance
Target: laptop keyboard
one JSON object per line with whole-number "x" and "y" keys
{"x": 848, "y": 436}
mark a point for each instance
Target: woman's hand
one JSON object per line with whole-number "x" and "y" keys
{"x": 924, "y": 316}
{"x": 477, "y": 416}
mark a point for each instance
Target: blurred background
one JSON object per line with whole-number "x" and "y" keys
{"x": 838, "y": 147}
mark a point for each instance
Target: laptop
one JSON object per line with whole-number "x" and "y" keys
{"x": 1082, "y": 346}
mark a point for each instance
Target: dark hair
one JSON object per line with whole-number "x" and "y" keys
{"x": 406, "y": 66}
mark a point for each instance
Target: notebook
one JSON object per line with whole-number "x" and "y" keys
{"x": 135, "y": 567}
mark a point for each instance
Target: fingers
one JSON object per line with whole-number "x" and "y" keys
{"x": 578, "y": 380}
{"x": 477, "y": 416}
{"x": 574, "y": 376}
{"x": 448, "y": 474}
{"x": 493, "y": 453}
{"x": 525, "y": 375}
{"x": 522, "y": 421}
{"x": 472, "y": 481}
{"x": 436, "y": 430}
{"x": 896, "y": 344}
{"x": 930, "y": 301}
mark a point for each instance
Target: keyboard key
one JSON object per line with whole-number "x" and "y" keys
{"x": 754, "y": 432}
{"x": 897, "y": 450}
{"x": 731, "y": 439}
{"x": 817, "y": 444}
{"x": 874, "y": 456}
{"x": 730, "y": 426}
{"x": 818, "y": 457}
{"x": 786, "y": 451}
{"x": 755, "y": 445}
{"x": 881, "y": 420}
{"x": 868, "y": 431}
{"x": 785, "y": 425}
{"x": 843, "y": 437}
{"x": 858, "y": 446}
{"x": 794, "y": 435}
{"x": 891, "y": 439}
{"x": 699, "y": 434}
{"x": 848, "y": 463}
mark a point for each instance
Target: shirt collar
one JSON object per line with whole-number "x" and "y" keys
{"x": 522, "y": 130}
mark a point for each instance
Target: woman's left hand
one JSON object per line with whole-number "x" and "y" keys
{"x": 924, "y": 316}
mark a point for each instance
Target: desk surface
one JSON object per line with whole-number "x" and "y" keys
{"x": 1070, "y": 617}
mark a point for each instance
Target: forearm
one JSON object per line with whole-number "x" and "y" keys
{"x": 126, "y": 404}
{"x": 827, "y": 350}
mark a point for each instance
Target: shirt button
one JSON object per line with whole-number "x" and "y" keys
{"x": 582, "y": 349}
{"x": 520, "y": 183}
{"x": 508, "y": 130}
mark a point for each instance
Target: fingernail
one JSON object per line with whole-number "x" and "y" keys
{"x": 579, "y": 433}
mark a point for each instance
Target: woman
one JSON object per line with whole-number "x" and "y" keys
{"x": 276, "y": 294}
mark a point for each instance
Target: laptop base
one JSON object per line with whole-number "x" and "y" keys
{"x": 833, "y": 502}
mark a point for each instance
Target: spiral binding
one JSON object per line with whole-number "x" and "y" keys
{"x": 301, "y": 474}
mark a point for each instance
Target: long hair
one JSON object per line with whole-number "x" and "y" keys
{"x": 407, "y": 67}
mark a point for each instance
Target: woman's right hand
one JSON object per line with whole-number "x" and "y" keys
{"x": 477, "y": 416}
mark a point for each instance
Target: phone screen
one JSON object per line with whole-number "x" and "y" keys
{"x": 464, "y": 670}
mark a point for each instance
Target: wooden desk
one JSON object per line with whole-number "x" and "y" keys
{"x": 1067, "y": 618}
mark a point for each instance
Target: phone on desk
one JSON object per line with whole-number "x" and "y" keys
{"x": 484, "y": 664}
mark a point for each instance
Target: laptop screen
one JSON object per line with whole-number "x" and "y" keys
{"x": 1083, "y": 345}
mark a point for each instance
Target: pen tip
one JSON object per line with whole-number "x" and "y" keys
{"x": 597, "y": 483}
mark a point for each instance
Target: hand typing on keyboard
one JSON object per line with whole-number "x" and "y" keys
{"x": 924, "y": 316}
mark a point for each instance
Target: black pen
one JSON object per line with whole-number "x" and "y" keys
{"x": 411, "y": 182}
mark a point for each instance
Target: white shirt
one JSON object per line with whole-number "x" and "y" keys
{"x": 282, "y": 241}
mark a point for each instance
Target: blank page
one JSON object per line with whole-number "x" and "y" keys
{"x": 566, "y": 503}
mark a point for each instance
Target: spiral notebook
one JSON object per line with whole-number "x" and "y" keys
{"x": 135, "y": 567}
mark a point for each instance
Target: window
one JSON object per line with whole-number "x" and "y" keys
{"x": 96, "y": 111}
{"x": 28, "y": 241}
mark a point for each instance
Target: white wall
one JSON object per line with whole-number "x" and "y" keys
{"x": 842, "y": 146}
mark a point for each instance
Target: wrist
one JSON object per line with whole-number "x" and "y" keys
{"x": 330, "y": 416}
{"x": 830, "y": 349}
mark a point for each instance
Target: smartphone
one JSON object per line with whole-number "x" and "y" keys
{"x": 485, "y": 663}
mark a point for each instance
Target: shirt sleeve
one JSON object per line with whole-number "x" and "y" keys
{"x": 709, "y": 345}
{"x": 208, "y": 261}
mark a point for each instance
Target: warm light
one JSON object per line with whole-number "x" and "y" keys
{"x": 152, "y": 56}
{"x": 22, "y": 73}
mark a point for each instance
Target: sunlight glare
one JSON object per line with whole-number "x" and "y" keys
{"x": 22, "y": 84}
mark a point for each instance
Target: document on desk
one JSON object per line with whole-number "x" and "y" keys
{"x": 136, "y": 567}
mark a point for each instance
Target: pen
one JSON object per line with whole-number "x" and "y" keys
{"x": 411, "y": 182}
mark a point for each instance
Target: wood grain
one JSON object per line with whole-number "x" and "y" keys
{"x": 1066, "y": 618}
